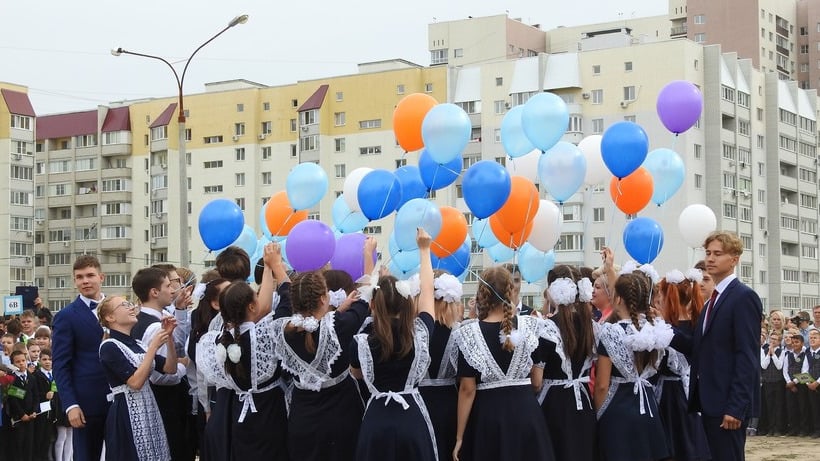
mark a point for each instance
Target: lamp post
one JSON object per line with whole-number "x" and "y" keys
{"x": 183, "y": 173}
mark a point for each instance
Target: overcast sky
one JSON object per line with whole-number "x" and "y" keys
{"x": 61, "y": 49}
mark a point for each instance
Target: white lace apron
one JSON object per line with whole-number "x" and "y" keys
{"x": 421, "y": 361}
{"x": 149, "y": 442}
{"x": 623, "y": 358}
{"x": 446, "y": 375}
{"x": 678, "y": 365}
{"x": 475, "y": 350}
{"x": 264, "y": 363}
{"x": 580, "y": 385}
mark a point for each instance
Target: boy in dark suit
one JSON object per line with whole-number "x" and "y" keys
{"x": 794, "y": 362}
{"x": 21, "y": 409}
{"x": 44, "y": 429}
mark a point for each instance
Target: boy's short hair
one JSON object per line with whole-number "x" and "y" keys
{"x": 147, "y": 279}
{"x": 797, "y": 338}
{"x": 84, "y": 261}
{"x": 233, "y": 264}
{"x": 9, "y": 335}
{"x": 31, "y": 344}
{"x": 28, "y": 313}
{"x": 45, "y": 351}
{"x": 15, "y": 354}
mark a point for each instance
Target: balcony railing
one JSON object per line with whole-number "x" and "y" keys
{"x": 678, "y": 31}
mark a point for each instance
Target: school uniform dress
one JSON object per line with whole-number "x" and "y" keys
{"x": 133, "y": 427}
{"x": 564, "y": 397}
{"x": 773, "y": 411}
{"x": 396, "y": 424}
{"x": 438, "y": 389}
{"x": 629, "y": 423}
{"x": 323, "y": 393}
{"x": 506, "y": 422}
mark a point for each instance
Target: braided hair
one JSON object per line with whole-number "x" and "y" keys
{"x": 306, "y": 291}
{"x": 634, "y": 290}
{"x": 495, "y": 292}
{"x": 233, "y": 306}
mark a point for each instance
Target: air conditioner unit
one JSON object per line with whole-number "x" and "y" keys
{"x": 65, "y": 243}
{"x": 262, "y": 137}
{"x": 163, "y": 166}
{"x": 304, "y": 128}
{"x": 507, "y": 105}
{"x": 235, "y": 137}
{"x": 585, "y": 95}
{"x": 624, "y": 104}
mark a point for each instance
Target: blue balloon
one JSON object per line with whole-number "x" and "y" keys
{"x": 623, "y": 148}
{"x": 485, "y": 187}
{"x": 436, "y": 176}
{"x": 263, "y": 224}
{"x": 534, "y": 263}
{"x": 446, "y": 131}
{"x": 411, "y": 184}
{"x": 545, "y": 119}
{"x": 667, "y": 170}
{"x": 562, "y": 170}
{"x": 283, "y": 243}
{"x": 515, "y": 141}
{"x": 401, "y": 274}
{"x": 347, "y": 221}
{"x": 643, "y": 239}
{"x": 412, "y": 215}
{"x": 220, "y": 223}
{"x": 247, "y": 240}
{"x": 404, "y": 259}
{"x": 456, "y": 264}
{"x": 379, "y": 194}
{"x": 483, "y": 233}
{"x": 260, "y": 249}
{"x": 305, "y": 185}
{"x": 500, "y": 253}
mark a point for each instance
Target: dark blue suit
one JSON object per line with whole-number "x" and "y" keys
{"x": 79, "y": 374}
{"x": 725, "y": 371}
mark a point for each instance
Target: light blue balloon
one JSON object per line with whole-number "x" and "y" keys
{"x": 401, "y": 274}
{"x": 404, "y": 259}
{"x": 667, "y": 170}
{"x": 263, "y": 224}
{"x": 347, "y": 221}
{"x": 305, "y": 185}
{"x": 545, "y": 119}
{"x": 446, "y": 131}
{"x": 562, "y": 170}
{"x": 534, "y": 263}
{"x": 412, "y": 215}
{"x": 500, "y": 253}
{"x": 282, "y": 244}
{"x": 483, "y": 234}
{"x": 246, "y": 240}
{"x": 260, "y": 250}
{"x": 515, "y": 141}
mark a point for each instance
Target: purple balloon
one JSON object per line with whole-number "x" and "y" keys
{"x": 310, "y": 245}
{"x": 679, "y": 105}
{"x": 349, "y": 256}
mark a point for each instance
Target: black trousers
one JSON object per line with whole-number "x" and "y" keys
{"x": 797, "y": 410}
{"x": 175, "y": 408}
{"x": 725, "y": 445}
{"x": 88, "y": 441}
{"x": 773, "y": 408}
{"x": 814, "y": 410}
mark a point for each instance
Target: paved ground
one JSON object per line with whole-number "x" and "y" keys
{"x": 782, "y": 448}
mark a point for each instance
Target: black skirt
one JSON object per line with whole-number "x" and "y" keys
{"x": 572, "y": 431}
{"x": 391, "y": 433}
{"x": 624, "y": 434}
{"x": 442, "y": 404}
{"x": 684, "y": 431}
{"x": 261, "y": 435}
{"x": 217, "y": 443}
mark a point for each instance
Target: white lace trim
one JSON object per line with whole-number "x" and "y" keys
{"x": 313, "y": 375}
{"x": 475, "y": 350}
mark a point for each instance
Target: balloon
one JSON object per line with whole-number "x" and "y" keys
{"x": 412, "y": 215}
{"x": 446, "y": 131}
{"x": 349, "y": 255}
{"x": 482, "y": 233}
{"x": 513, "y": 139}
{"x": 526, "y": 166}
{"x": 596, "y": 169}
{"x": 262, "y": 224}
{"x": 679, "y": 106}
{"x": 546, "y": 226}
{"x": 520, "y": 207}
{"x": 347, "y": 221}
{"x": 624, "y": 147}
{"x": 220, "y": 223}
{"x": 667, "y": 170}
{"x": 545, "y": 119}
{"x": 247, "y": 241}
{"x": 306, "y": 184}
{"x": 379, "y": 194}
{"x": 456, "y": 263}
{"x": 280, "y": 217}
{"x": 696, "y": 222}
{"x": 485, "y": 186}
{"x": 351, "y": 187}
{"x": 284, "y": 244}
{"x": 411, "y": 184}
{"x": 453, "y": 232}
{"x": 402, "y": 274}
{"x": 643, "y": 239}
{"x": 500, "y": 253}
{"x": 310, "y": 246}
{"x": 408, "y": 117}
{"x": 404, "y": 259}
{"x": 436, "y": 176}
{"x": 632, "y": 193}
{"x": 507, "y": 238}
{"x": 562, "y": 170}
{"x": 260, "y": 248}
{"x": 534, "y": 263}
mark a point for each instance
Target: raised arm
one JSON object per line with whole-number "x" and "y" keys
{"x": 370, "y": 244}
{"x": 143, "y": 372}
{"x": 426, "y": 302}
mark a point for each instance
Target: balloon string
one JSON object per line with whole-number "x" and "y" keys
{"x": 284, "y": 224}
{"x": 387, "y": 198}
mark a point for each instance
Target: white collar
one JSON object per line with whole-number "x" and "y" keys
{"x": 721, "y": 287}
{"x": 87, "y": 301}
{"x": 245, "y": 327}
{"x": 152, "y": 312}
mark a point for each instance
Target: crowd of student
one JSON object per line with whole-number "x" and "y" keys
{"x": 315, "y": 366}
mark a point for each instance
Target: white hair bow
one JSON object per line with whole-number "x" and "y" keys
{"x": 336, "y": 298}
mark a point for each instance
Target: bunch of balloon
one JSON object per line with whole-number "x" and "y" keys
{"x": 695, "y": 223}
{"x": 679, "y": 106}
{"x": 349, "y": 256}
{"x": 546, "y": 226}
{"x": 482, "y": 233}
{"x": 280, "y": 217}
{"x": 408, "y": 118}
{"x": 310, "y": 245}
{"x": 515, "y": 141}
{"x": 305, "y": 185}
{"x": 221, "y": 222}
{"x": 623, "y": 148}
{"x": 513, "y": 222}
{"x": 412, "y": 185}
{"x": 643, "y": 239}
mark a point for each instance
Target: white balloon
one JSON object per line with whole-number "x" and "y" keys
{"x": 526, "y": 165}
{"x": 546, "y": 226}
{"x": 351, "y": 187}
{"x": 696, "y": 222}
{"x": 597, "y": 171}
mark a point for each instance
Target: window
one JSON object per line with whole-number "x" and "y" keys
{"x": 791, "y": 275}
{"x": 789, "y": 222}
{"x": 400, "y": 162}
{"x": 628, "y": 66}
{"x": 596, "y": 69}
{"x": 293, "y": 125}
{"x": 370, "y": 150}
{"x": 400, "y": 89}
{"x": 266, "y": 153}
{"x": 293, "y": 151}
{"x": 309, "y": 143}
{"x": 20, "y": 223}
{"x": 698, "y": 151}
{"x": 213, "y": 164}
{"x": 240, "y": 107}
{"x": 729, "y": 152}
{"x": 700, "y": 19}
{"x": 497, "y": 135}
{"x": 808, "y": 200}
{"x": 789, "y": 118}
{"x": 570, "y": 242}
{"x": 116, "y": 185}
{"x": 85, "y": 164}
{"x": 808, "y": 175}
{"x": 730, "y": 210}
{"x": 745, "y": 214}
{"x": 572, "y": 213}
{"x": 576, "y": 124}
{"x": 21, "y": 122}
{"x": 115, "y": 232}
{"x": 698, "y": 181}
{"x": 438, "y": 57}
{"x": 267, "y": 127}
{"x": 188, "y": 135}
{"x": 597, "y": 96}
{"x": 117, "y": 280}
{"x": 458, "y": 53}
{"x": 340, "y": 96}
{"x": 499, "y": 107}
{"x": 309, "y": 117}
{"x": 213, "y": 189}
{"x": 808, "y": 226}
{"x": 729, "y": 181}
{"x": 598, "y": 214}
{"x": 340, "y": 170}
{"x": 240, "y": 201}
{"x": 339, "y": 145}
{"x": 469, "y": 160}
{"x": 58, "y": 282}
{"x": 428, "y": 87}
{"x": 239, "y": 153}
{"x": 728, "y": 94}
{"x": 339, "y": 119}
{"x": 471, "y": 107}
{"x": 25, "y": 173}
{"x": 599, "y": 243}
{"x": 240, "y": 179}
{"x": 266, "y": 178}
{"x": 238, "y": 129}
{"x": 597, "y": 125}
{"x": 700, "y": 38}
{"x": 761, "y": 196}
{"x": 370, "y": 124}
{"x": 60, "y": 259}
{"x": 157, "y": 133}
{"x": 372, "y": 230}
{"x": 20, "y": 249}
{"x": 212, "y": 139}
{"x": 266, "y": 106}
{"x": 159, "y": 181}
{"x": 743, "y": 127}
{"x": 499, "y": 81}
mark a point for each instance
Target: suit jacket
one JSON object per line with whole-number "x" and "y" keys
{"x": 21, "y": 400}
{"x": 725, "y": 374}
{"x": 76, "y": 339}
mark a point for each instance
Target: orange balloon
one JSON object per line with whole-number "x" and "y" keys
{"x": 513, "y": 240}
{"x": 280, "y": 217}
{"x": 407, "y": 119}
{"x": 453, "y": 232}
{"x": 521, "y": 205}
{"x": 632, "y": 193}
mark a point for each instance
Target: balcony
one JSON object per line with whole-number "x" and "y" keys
{"x": 109, "y": 173}
{"x": 87, "y": 198}
{"x": 116, "y": 149}
{"x": 115, "y": 244}
{"x": 116, "y": 220}
{"x": 679, "y": 31}
{"x": 782, "y": 30}
{"x": 782, "y": 50}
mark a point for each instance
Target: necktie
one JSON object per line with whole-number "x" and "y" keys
{"x": 92, "y": 305}
{"x": 709, "y": 307}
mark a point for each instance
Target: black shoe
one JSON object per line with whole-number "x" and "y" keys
{"x": 762, "y": 433}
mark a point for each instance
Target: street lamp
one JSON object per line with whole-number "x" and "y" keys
{"x": 183, "y": 173}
